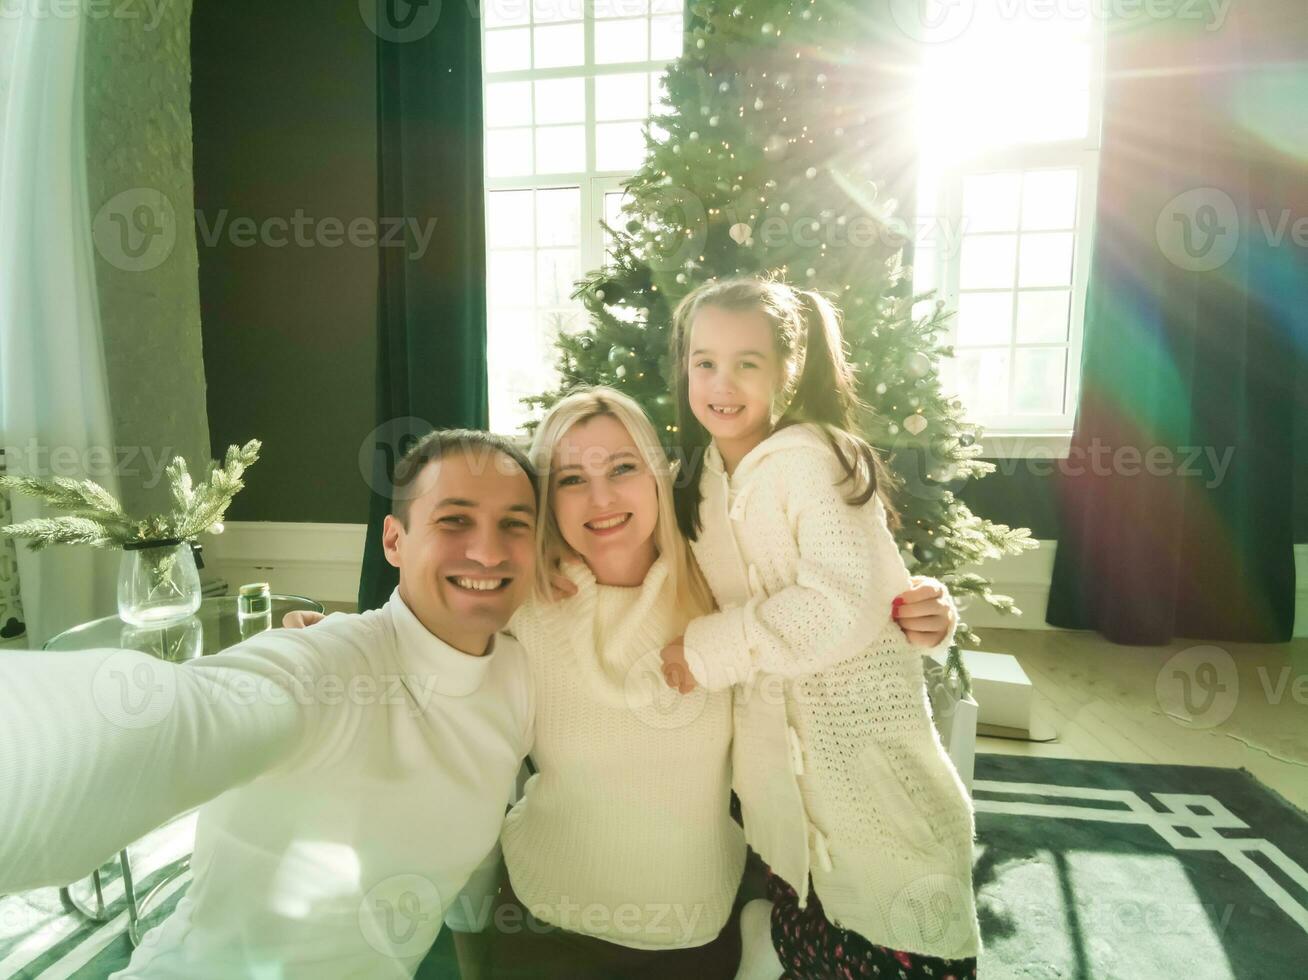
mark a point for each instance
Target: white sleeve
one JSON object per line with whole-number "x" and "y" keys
{"x": 849, "y": 570}
{"x": 97, "y": 747}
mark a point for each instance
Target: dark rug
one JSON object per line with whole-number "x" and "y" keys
{"x": 1099, "y": 871}
{"x": 1084, "y": 871}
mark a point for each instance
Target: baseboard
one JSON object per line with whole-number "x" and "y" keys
{"x": 322, "y": 561}
{"x": 1026, "y": 578}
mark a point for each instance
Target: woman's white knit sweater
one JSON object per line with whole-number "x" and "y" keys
{"x": 838, "y": 766}
{"x": 624, "y": 833}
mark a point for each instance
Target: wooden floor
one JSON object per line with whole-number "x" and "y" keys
{"x": 1099, "y": 700}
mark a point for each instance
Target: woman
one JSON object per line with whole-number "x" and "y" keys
{"x": 622, "y": 858}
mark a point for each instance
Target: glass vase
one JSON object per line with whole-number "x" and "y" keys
{"x": 157, "y": 583}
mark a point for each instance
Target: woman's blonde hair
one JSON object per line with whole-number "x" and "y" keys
{"x": 582, "y": 405}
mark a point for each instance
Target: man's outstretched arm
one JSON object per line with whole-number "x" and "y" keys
{"x": 98, "y": 747}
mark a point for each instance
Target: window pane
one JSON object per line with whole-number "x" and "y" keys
{"x": 621, "y": 8}
{"x": 667, "y": 6}
{"x": 509, "y": 277}
{"x": 1049, "y": 200}
{"x": 622, "y": 96}
{"x": 1038, "y": 381}
{"x": 547, "y": 11}
{"x": 1042, "y": 316}
{"x": 558, "y": 216}
{"x": 508, "y": 50}
{"x": 613, "y": 202}
{"x": 621, "y": 40}
{"x": 1046, "y": 260}
{"x": 981, "y": 380}
{"x": 508, "y": 152}
{"x": 512, "y": 334}
{"x": 1053, "y": 87}
{"x": 561, "y": 100}
{"x": 613, "y": 216}
{"x": 508, "y": 219}
{"x": 559, "y": 46}
{"x": 987, "y": 261}
{"x": 665, "y": 38}
{"x": 558, "y": 269}
{"x": 924, "y": 270}
{"x": 658, "y": 90}
{"x": 985, "y": 318}
{"x": 514, "y": 360}
{"x": 505, "y": 13}
{"x": 619, "y": 146}
{"x": 990, "y": 202}
{"x": 565, "y": 321}
{"x": 508, "y": 104}
{"x": 560, "y": 149}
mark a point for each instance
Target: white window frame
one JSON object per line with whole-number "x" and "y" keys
{"x": 593, "y": 183}
{"x": 1013, "y": 436}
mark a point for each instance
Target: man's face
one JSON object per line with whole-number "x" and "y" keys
{"x": 467, "y": 554}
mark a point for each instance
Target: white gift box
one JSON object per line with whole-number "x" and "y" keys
{"x": 1000, "y": 687}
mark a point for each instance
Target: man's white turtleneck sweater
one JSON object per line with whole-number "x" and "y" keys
{"x": 356, "y": 774}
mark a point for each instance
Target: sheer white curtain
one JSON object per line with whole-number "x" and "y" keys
{"x": 54, "y": 403}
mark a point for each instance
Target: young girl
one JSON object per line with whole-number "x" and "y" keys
{"x": 845, "y": 788}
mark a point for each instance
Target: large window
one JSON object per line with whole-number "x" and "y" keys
{"x": 569, "y": 86}
{"x": 1009, "y": 116}
{"x": 1009, "y": 137}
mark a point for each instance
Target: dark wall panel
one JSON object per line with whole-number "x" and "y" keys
{"x": 283, "y": 106}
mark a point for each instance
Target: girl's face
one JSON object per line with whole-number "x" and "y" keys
{"x": 605, "y": 498}
{"x": 735, "y": 372}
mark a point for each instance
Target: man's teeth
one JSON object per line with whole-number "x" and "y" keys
{"x": 727, "y": 409}
{"x": 479, "y": 584}
{"x": 607, "y": 523}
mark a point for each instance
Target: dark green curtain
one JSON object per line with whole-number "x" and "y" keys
{"x": 1194, "y": 337}
{"x": 431, "y": 313}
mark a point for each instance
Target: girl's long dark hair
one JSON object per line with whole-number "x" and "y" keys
{"x": 821, "y": 386}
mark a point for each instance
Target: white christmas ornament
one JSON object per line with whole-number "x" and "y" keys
{"x": 915, "y": 424}
{"x": 917, "y": 364}
{"x": 740, "y": 233}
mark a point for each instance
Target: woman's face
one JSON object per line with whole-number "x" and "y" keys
{"x": 604, "y": 495}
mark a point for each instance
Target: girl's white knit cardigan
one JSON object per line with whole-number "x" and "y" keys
{"x": 840, "y": 772}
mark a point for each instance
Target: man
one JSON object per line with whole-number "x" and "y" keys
{"x": 351, "y": 776}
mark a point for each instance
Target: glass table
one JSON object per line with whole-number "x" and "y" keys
{"x": 214, "y": 627}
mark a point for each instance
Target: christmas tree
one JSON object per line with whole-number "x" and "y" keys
{"x": 785, "y": 128}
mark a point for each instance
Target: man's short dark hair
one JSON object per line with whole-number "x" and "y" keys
{"x": 483, "y": 446}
